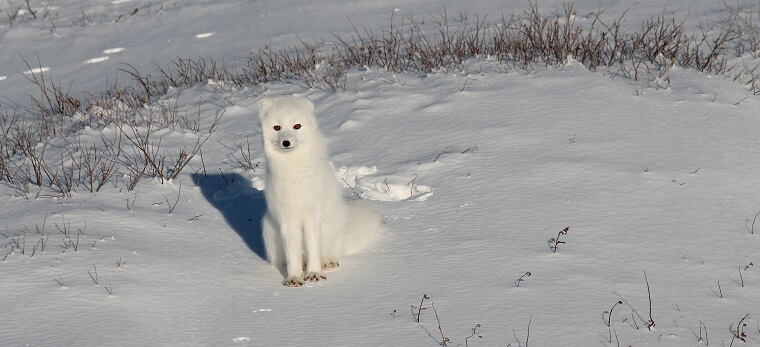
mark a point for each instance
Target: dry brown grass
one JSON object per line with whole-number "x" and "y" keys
{"x": 520, "y": 42}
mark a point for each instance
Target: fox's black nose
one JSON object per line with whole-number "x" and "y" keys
{"x": 286, "y": 143}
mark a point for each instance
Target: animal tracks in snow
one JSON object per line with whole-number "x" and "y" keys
{"x": 104, "y": 58}
{"x": 36, "y": 70}
{"x": 248, "y": 338}
{"x": 96, "y": 60}
{"x": 88, "y": 61}
{"x": 204, "y": 35}
{"x": 389, "y": 188}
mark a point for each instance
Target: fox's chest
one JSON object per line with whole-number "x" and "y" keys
{"x": 300, "y": 179}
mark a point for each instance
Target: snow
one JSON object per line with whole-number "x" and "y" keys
{"x": 475, "y": 172}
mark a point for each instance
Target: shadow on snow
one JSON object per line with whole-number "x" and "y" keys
{"x": 241, "y": 205}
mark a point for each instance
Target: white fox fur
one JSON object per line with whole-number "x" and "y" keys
{"x": 308, "y": 220}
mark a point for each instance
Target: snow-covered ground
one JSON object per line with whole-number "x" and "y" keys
{"x": 475, "y": 172}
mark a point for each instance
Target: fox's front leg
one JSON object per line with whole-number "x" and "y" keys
{"x": 313, "y": 256}
{"x": 272, "y": 241}
{"x": 292, "y": 239}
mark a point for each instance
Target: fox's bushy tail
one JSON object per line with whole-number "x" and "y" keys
{"x": 363, "y": 226}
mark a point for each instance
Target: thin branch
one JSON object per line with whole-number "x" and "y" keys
{"x": 650, "y": 324}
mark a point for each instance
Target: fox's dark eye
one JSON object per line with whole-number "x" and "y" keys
{"x": 297, "y": 126}
{"x": 277, "y": 128}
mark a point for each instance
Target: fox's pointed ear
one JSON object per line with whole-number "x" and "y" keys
{"x": 265, "y": 105}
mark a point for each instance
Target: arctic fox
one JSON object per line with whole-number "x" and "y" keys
{"x": 308, "y": 220}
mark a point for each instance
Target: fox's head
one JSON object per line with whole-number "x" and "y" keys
{"x": 287, "y": 123}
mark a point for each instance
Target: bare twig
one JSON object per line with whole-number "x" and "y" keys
{"x": 352, "y": 188}
{"x": 650, "y": 323}
{"x": 740, "y": 330}
{"x": 517, "y": 282}
{"x": 60, "y": 281}
{"x": 443, "y": 152}
{"x": 94, "y": 278}
{"x": 752, "y": 231}
{"x": 466, "y": 343}
{"x": 473, "y": 148}
{"x": 444, "y": 340}
{"x": 527, "y": 338}
{"x": 556, "y": 242}
{"x": 171, "y": 207}
{"x": 195, "y": 218}
{"x": 609, "y": 320}
{"x": 419, "y": 309}
{"x": 701, "y": 326}
{"x": 412, "y": 185}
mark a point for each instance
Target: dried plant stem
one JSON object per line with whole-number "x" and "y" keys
{"x": 466, "y": 343}
{"x": 650, "y": 323}
{"x": 444, "y": 340}
{"x": 527, "y": 338}
{"x": 179, "y": 192}
{"x": 609, "y": 320}
{"x": 557, "y": 242}
{"x": 752, "y": 231}
{"x": 701, "y": 326}
{"x": 61, "y": 281}
{"x": 517, "y": 282}
{"x": 94, "y": 278}
{"x": 419, "y": 309}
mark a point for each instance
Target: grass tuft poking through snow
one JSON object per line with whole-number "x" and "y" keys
{"x": 515, "y": 44}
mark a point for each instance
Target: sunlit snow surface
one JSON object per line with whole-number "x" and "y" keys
{"x": 475, "y": 172}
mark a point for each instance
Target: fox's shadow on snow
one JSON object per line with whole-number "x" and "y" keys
{"x": 241, "y": 205}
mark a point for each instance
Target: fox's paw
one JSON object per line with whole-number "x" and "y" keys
{"x": 293, "y": 281}
{"x": 315, "y": 277}
{"x": 329, "y": 264}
